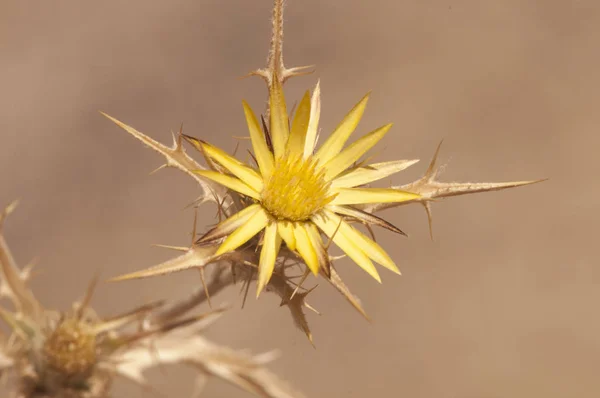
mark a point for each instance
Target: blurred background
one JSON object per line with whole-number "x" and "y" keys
{"x": 503, "y": 302}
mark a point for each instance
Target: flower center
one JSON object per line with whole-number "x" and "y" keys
{"x": 295, "y": 191}
{"x": 71, "y": 348}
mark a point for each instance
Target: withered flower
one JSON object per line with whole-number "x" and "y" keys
{"x": 78, "y": 354}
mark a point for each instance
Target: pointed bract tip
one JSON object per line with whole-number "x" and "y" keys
{"x": 8, "y": 210}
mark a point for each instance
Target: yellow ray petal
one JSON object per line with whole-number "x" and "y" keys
{"x": 279, "y": 127}
{"x": 229, "y": 182}
{"x": 305, "y": 247}
{"x": 329, "y": 225}
{"x": 340, "y": 135}
{"x": 244, "y": 233}
{"x": 371, "y": 173}
{"x": 286, "y": 231}
{"x": 369, "y": 247}
{"x": 299, "y": 126}
{"x": 234, "y": 166}
{"x": 353, "y": 152}
{"x": 268, "y": 256}
{"x": 352, "y": 196}
{"x": 231, "y": 224}
{"x": 313, "y": 124}
{"x": 315, "y": 237}
{"x": 264, "y": 157}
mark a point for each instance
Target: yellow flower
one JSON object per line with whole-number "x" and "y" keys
{"x": 296, "y": 192}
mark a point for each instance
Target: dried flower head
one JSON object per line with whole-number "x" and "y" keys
{"x": 78, "y": 354}
{"x": 278, "y": 208}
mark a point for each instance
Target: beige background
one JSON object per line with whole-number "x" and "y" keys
{"x": 504, "y": 303}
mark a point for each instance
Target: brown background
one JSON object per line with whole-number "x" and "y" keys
{"x": 504, "y": 303}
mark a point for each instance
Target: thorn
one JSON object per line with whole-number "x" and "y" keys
{"x": 275, "y": 65}
{"x": 313, "y": 309}
{"x": 427, "y": 207}
{"x": 253, "y": 157}
{"x": 205, "y": 287}
{"x": 177, "y": 248}
{"x": 233, "y": 275}
{"x": 297, "y": 71}
{"x": 8, "y": 210}
{"x": 158, "y": 169}
{"x": 370, "y": 232}
{"x": 220, "y": 210}
{"x": 88, "y": 296}
{"x": 431, "y": 172}
{"x": 237, "y": 146}
{"x": 194, "y": 227}
{"x": 306, "y": 273}
{"x": 334, "y": 233}
{"x": 247, "y": 287}
{"x": 27, "y": 272}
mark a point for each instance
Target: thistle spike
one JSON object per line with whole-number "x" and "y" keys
{"x": 275, "y": 65}
{"x": 430, "y": 189}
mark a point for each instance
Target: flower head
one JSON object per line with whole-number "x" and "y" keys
{"x": 295, "y": 198}
{"x": 298, "y": 193}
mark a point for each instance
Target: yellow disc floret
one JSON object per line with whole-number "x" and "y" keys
{"x": 296, "y": 190}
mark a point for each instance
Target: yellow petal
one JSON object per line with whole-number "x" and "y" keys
{"x": 371, "y": 173}
{"x": 313, "y": 124}
{"x": 245, "y": 232}
{"x": 370, "y": 247}
{"x": 340, "y": 135}
{"x": 234, "y": 166}
{"x": 229, "y": 182}
{"x": 329, "y": 224}
{"x": 286, "y": 231}
{"x": 315, "y": 237}
{"x": 279, "y": 127}
{"x": 268, "y": 256}
{"x": 351, "y": 154}
{"x": 232, "y": 223}
{"x": 305, "y": 247}
{"x": 352, "y": 196}
{"x": 300, "y": 126}
{"x": 264, "y": 157}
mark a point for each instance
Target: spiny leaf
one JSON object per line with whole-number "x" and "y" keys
{"x": 281, "y": 287}
{"x": 184, "y": 346}
{"x": 195, "y": 257}
{"x": 430, "y": 189}
{"x": 177, "y": 157}
{"x": 337, "y": 282}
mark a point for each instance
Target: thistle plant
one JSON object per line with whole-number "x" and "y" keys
{"x": 280, "y": 216}
{"x": 285, "y": 209}
{"x": 78, "y": 353}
